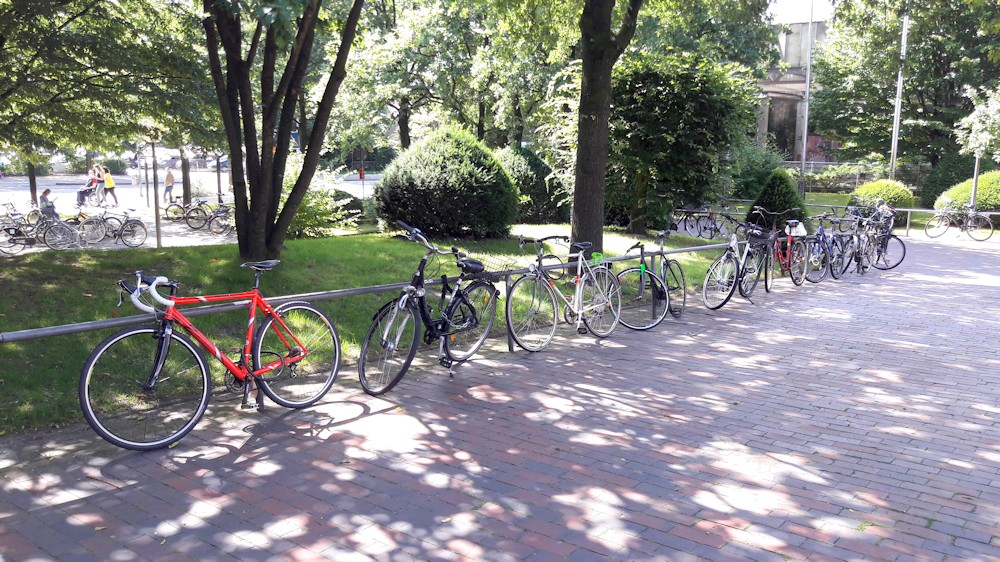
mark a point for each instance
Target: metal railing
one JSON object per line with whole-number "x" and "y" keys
{"x": 94, "y": 325}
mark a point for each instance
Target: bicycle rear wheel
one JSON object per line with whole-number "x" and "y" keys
{"x": 388, "y": 348}
{"x": 196, "y": 218}
{"x": 673, "y": 277}
{"x": 60, "y": 237}
{"x": 889, "y": 252}
{"x": 936, "y": 226}
{"x": 304, "y": 382}
{"x": 132, "y": 404}
{"x": 471, "y": 316}
{"x": 979, "y": 227}
{"x": 752, "y": 269}
{"x": 645, "y": 300}
{"x": 173, "y": 212}
{"x": 819, "y": 261}
{"x": 531, "y": 312}
{"x": 220, "y": 224}
{"x": 92, "y": 230}
{"x": 133, "y": 233}
{"x": 720, "y": 281}
{"x": 602, "y": 301}
{"x": 798, "y": 261}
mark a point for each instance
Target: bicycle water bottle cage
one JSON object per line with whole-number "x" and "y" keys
{"x": 470, "y": 266}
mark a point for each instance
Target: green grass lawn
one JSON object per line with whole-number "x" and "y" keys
{"x": 39, "y": 378}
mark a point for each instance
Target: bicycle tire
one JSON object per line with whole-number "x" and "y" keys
{"x": 470, "y": 315}
{"x": 720, "y": 281}
{"x": 602, "y": 301}
{"x": 32, "y": 218}
{"x": 819, "y": 261}
{"x": 382, "y": 366}
{"x": 531, "y": 312}
{"x": 889, "y": 253}
{"x": 706, "y": 227}
{"x": 111, "y": 225}
{"x": 92, "y": 231}
{"x": 306, "y": 381}
{"x": 937, "y": 225}
{"x": 133, "y": 233}
{"x": 836, "y": 262}
{"x": 173, "y": 212}
{"x": 196, "y": 218}
{"x": 60, "y": 236}
{"x": 752, "y": 268}
{"x": 979, "y": 227}
{"x": 768, "y": 269}
{"x": 123, "y": 412}
{"x": 11, "y": 245}
{"x": 556, "y": 273}
{"x": 220, "y": 225}
{"x": 644, "y": 299}
{"x": 673, "y": 278}
{"x": 798, "y": 262}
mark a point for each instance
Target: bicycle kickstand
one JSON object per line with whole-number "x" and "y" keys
{"x": 259, "y": 401}
{"x": 444, "y": 360}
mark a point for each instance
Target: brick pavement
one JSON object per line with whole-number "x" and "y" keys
{"x": 853, "y": 420}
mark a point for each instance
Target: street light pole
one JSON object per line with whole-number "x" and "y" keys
{"x": 899, "y": 98}
{"x": 805, "y": 119}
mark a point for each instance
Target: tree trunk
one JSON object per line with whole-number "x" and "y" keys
{"x": 518, "y": 136}
{"x": 186, "y": 176}
{"x": 481, "y": 122}
{"x": 600, "y": 50}
{"x": 637, "y": 214}
{"x": 403, "y": 121}
{"x": 32, "y": 183}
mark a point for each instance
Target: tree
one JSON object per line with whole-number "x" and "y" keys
{"x": 259, "y": 75}
{"x": 600, "y": 48}
{"x": 856, "y": 73}
{"x": 979, "y": 132}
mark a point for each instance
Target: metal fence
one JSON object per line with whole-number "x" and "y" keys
{"x": 80, "y": 327}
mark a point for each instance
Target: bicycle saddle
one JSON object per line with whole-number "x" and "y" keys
{"x": 581, "y": 246}
{"x": 471, "y": 266}
{"x": 792, "y": 223}
{"x": 260, "y": 265}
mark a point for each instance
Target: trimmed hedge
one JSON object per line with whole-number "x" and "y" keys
{"x": 543, "y": 201}
{"x": 448, "y": 184}
{"x": 779, "y": 193}
{"x": 987, "y": 193}
{"x": 894, "y": 193}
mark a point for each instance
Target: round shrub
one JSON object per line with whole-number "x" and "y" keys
{"x": 987, "y": 193}
{"x": 752, "y": 166}
{"x": 448, "y": 184}
{"x": 894, "y": 194}
{"x": 779, "y": 193}
{"x": 543, "y": 201}
{"x": 951, "y": 169}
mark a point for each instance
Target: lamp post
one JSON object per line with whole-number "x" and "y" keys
{"x": 899, "y": 98}
{"x": 805, "y": 118}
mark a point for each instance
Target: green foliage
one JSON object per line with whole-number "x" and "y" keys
{"x": 674, "y": 119}
{"x": 117, "y": 166}
{"x": 843, "y": 178}
{"x": 893, "y": 193}
{"x": 987, "y": 193}
{"x": 953, "y": 168}
{"x": 751, "y": 167}
{"x": 543, "y": 199}
{"x": 778, "y": 195}
{"x": 18, "y": 166}
{"x": 324, "y": 208}
{"x": 448, "y": 184}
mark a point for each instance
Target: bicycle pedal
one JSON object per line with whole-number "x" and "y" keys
{"x": 445, "y": 362}
{"x": 581, "y": 330}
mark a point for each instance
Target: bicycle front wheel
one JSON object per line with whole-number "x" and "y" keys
{"x": 388, "y": 348}
{"x": 92, "y": 230}
{"x": 936, "y": 226}
{"x": 220, "y": 224}
{"x": 470, "y": 316}
{"x": 602, "y": 301}
{"x": 196, "y": 218}
{"x": 889, "y": 252}
{"x": 133, "y": 234}
{"x": 173, "y": 212}
{"x": 673, "y": 277}
{"x": 979, "y": 227}
{"x": 720, "y": 281}
{"x": 132, "y": 403}
{"x": 798, "y": 261}
{"x": 752, "y": 269}
{"x": 819, "y": 261}
{"x": 60, "y": 236}
{"x": 531, "y": 312}
{"x": 644, "y": 299}
{"x": 306, "y": 330}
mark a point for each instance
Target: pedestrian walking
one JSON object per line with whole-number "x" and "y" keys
{"x": 109, "y": 184}
{"x": 99, "y": 174}
{"x": 168, "y": 187}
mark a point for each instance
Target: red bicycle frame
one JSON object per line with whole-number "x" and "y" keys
{"x": 242, "y": 369}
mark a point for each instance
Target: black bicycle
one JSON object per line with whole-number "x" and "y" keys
{"x": 465, "y": 316}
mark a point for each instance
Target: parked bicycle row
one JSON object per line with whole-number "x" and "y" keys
{"x": 754, "y": 254}
{"x": 24, "y": 230}
{"x": 199, "y": 213}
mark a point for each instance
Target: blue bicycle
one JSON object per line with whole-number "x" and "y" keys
{"x": 820, "y": 250}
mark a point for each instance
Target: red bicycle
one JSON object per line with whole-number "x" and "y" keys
{"x": 791, "y": 254}
{"x": 146, "y": 387}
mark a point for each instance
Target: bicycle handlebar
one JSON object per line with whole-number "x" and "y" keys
{"x": 146, "y": 284}
{"x": 762, "y": 211}
{"x": 522, "y": 240}
{"x": 415, "y": 235}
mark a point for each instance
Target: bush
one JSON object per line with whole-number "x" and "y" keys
{"x": 117, "y": 166}
{"x": 987, "y": 193}
{"x": 448, "y": 184}
{"x": 894, "y": 193}
{"x": 320, "y": 212}
{"x": 779, "y": 193}
{"x": 952, "y": 169}
{"x": 543, "y": 201}
{"x": 752, "y": 166}
{"x": 18, "y": 166}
